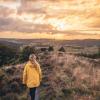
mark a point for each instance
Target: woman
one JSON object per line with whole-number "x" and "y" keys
{"x": 32, "y": 75}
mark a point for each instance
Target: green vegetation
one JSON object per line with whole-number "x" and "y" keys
{"x": 25, "y": 52}
{"x": 65, "y": 76}
{"x": 7, "y": 54}
{"x": 10, "y": 96}
{"x": 11, "y": 87}
{"x": 93, "y": 56}
{"x": 50, "y": 48}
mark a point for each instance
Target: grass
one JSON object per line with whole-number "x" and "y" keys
{"x": 60, "y": 83}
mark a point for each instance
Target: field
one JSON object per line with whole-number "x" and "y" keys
{"x": 70, "y": 72}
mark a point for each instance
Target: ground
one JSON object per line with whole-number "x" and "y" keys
{"x": 65, "y": 77}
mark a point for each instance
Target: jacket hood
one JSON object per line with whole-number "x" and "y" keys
{"x": 32, "y": 64}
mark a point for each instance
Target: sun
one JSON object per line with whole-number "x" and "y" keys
{"x": 62, "y": 25}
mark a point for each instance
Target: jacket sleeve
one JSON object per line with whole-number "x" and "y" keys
{"x": 25, "y": 74}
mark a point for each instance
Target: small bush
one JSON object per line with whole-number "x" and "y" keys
{"x": 62, "y": 49}
{"x": 15, "y": 87}
{"x": 2, "y": 74}
{"x": 50, "y": 48}
{"x": 67, "y": 92}
{"x": 10, "y": 96}
{"x": 10, "y": 71}
{"x": 43, "y": 49}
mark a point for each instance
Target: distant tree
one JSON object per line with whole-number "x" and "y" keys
{"x": 6, "y": 54}
{"x": 62, "y": 49}
{"x": 43, "y": 49}
{"x": 99, "y": 51}
{"x": 25, "y": 52}
{"x": 50, "y": 48}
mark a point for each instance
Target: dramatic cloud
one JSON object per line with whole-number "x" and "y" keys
{"x": 9, "y": 24}
{"x": 50, "y": 16}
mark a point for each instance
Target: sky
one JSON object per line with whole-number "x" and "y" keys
{"x": 52, "y": 19}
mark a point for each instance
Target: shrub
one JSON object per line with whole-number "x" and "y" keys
{"x": 6, "y": 54}
{"x": 67, "y": 92}
{"x": 50, "y": 48}
{"x": 43, "y": 49}
{"x": 4, "y": 90}
{"x": 99, "y": 52}
{"x": 2, "y": 74}
{"x": 10, "y": 96}
{"x": 62, "y": 49}
{"x": 25, "y": 52}
{"x": 93, "y": 56}
{"x": 15, "y": 87}
{"x": 10, "y": 71}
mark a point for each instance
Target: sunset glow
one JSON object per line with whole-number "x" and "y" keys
{"x": 65, "y": 19}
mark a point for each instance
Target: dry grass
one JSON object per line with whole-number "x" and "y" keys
{"x": 65, "y": 77}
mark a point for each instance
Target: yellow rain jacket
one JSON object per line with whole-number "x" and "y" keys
{"x": 32, "y": 75}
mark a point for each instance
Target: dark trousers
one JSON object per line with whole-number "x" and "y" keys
{"x": 32, "y": 93}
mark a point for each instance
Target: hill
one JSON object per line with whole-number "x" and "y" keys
{"x": 86, "y": 42}
{"x": 65, "y": 77}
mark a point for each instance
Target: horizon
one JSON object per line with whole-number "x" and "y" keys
{"x": 45, "y": 39}
{"x": 48, "y": 19}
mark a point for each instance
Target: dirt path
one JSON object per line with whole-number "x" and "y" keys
{"x": 37, "y": 94}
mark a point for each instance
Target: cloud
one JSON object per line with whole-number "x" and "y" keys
{"x": 9, "y": 24}
{"x": 31, "y": 6}
{"x": 7, "y": 0}
{"x": 55, "y": 16}
{"x": 5, "y": 12}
